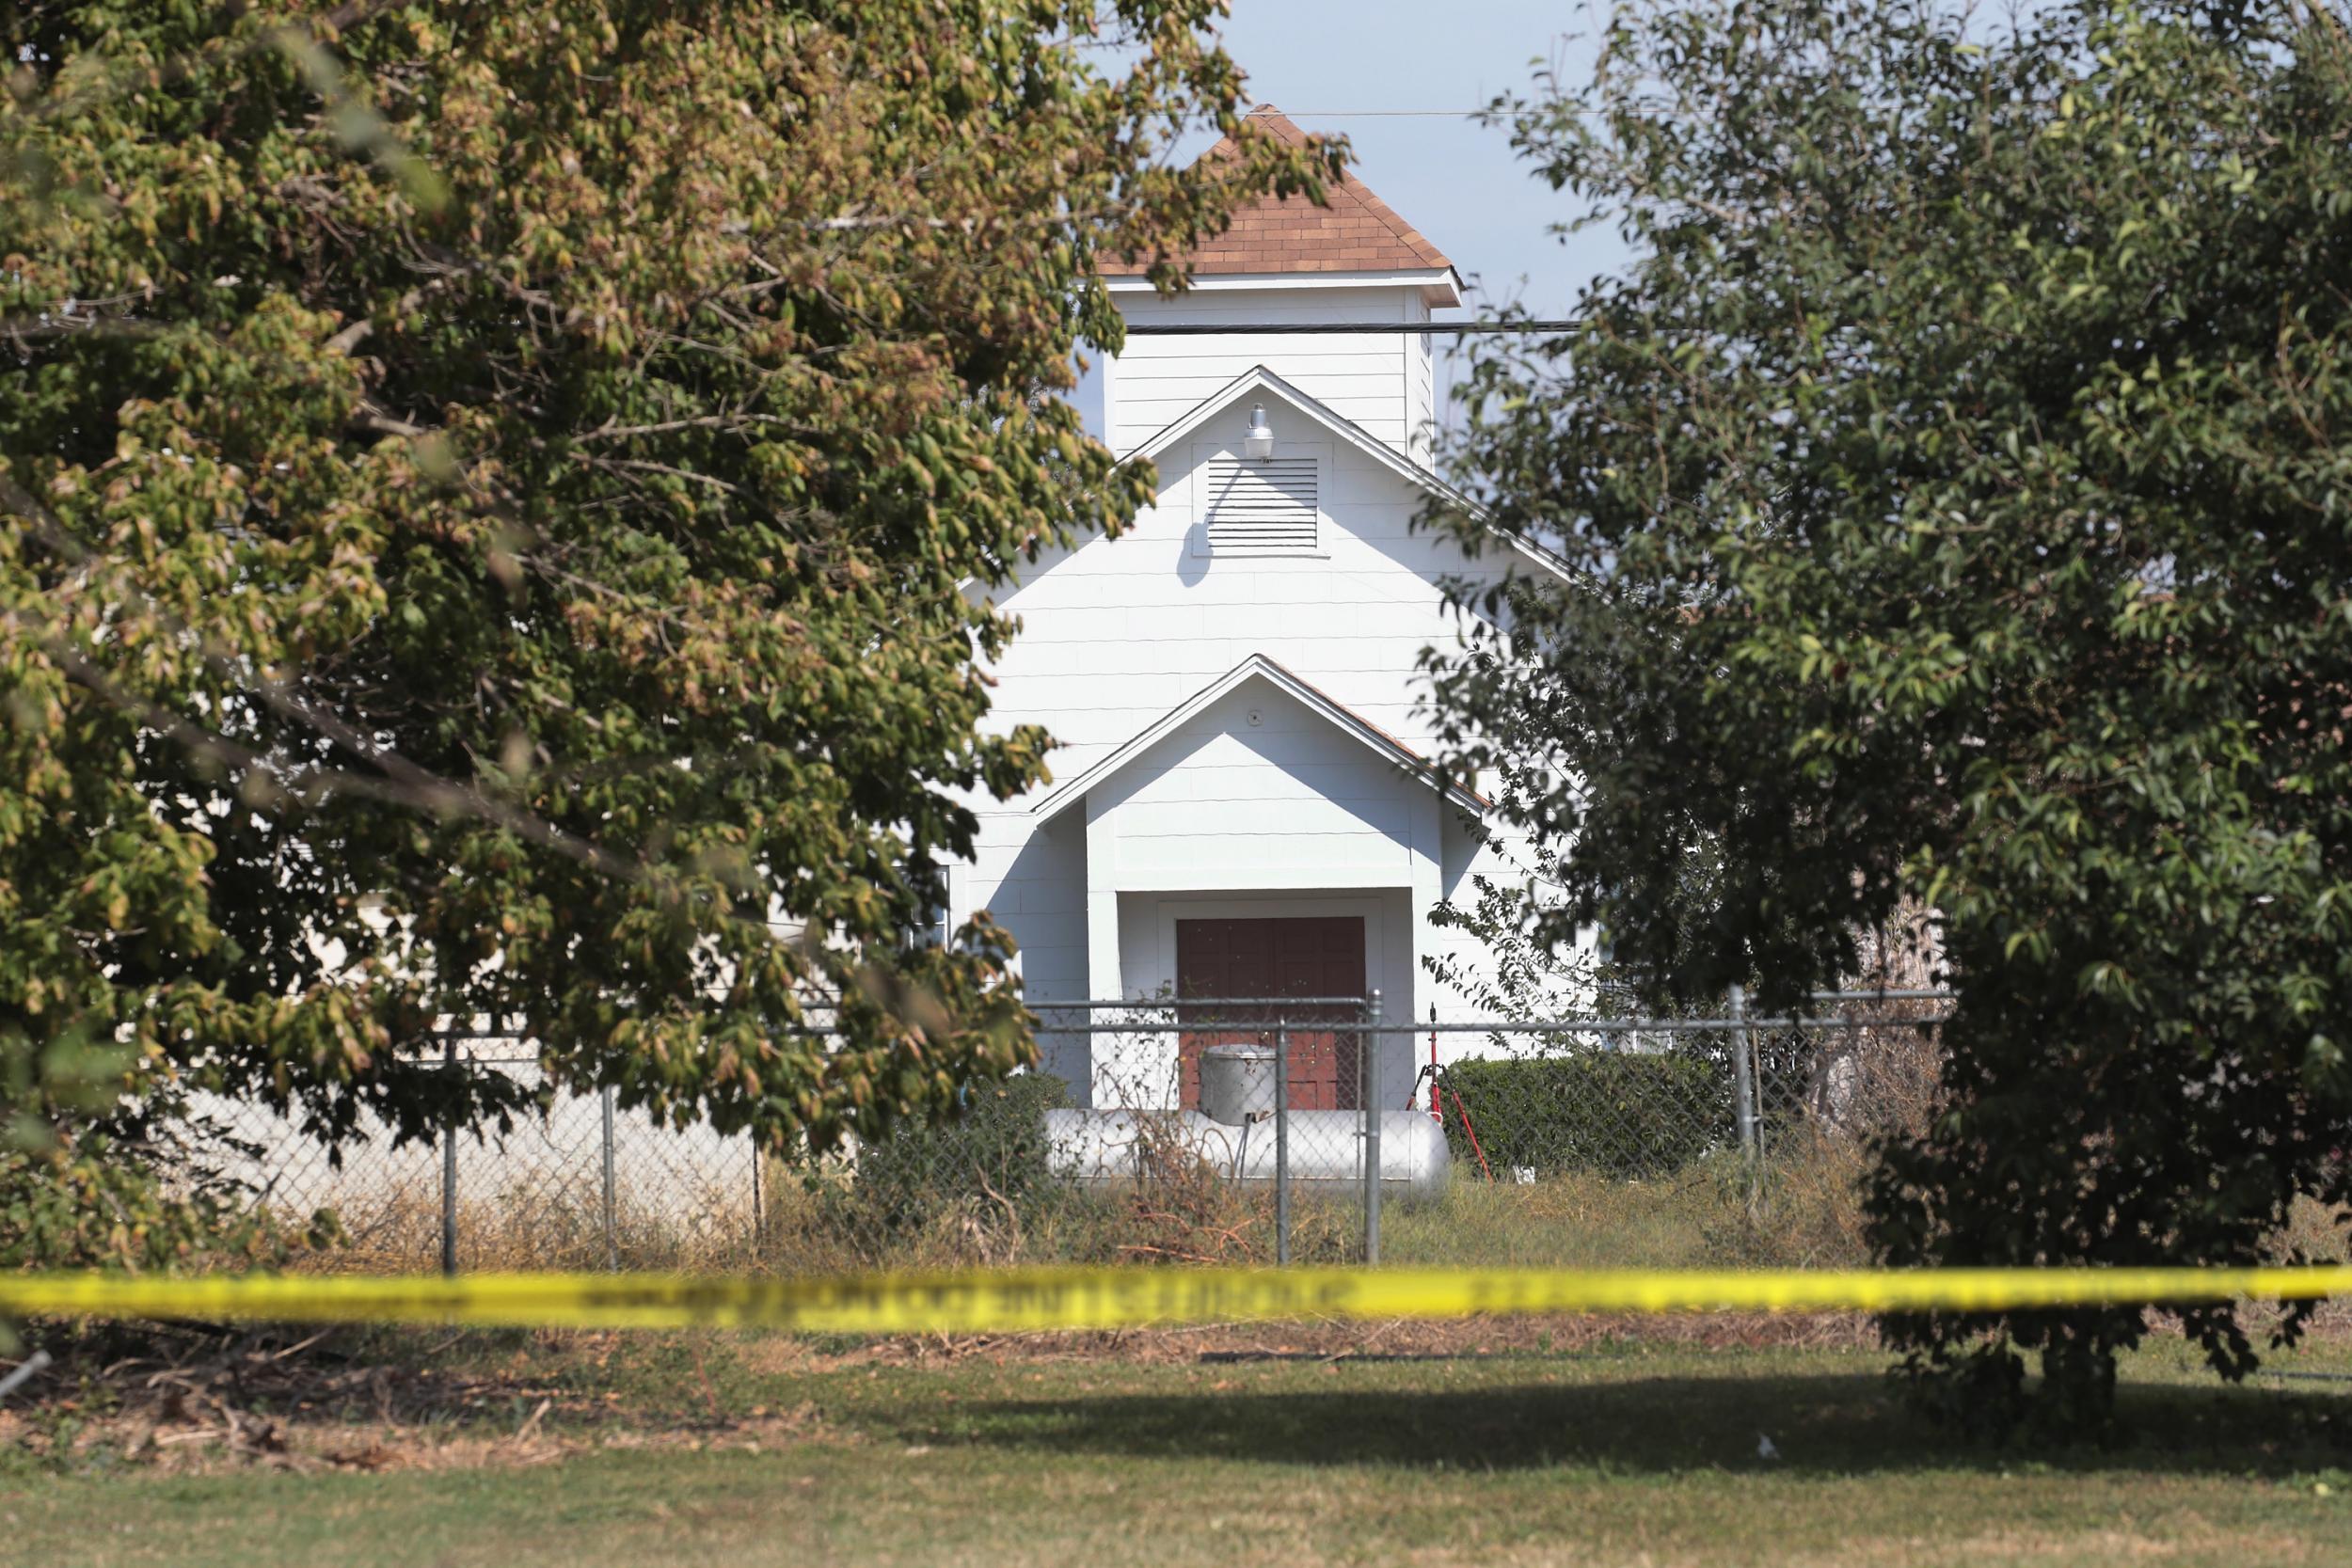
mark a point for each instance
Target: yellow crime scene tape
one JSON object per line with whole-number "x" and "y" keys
{"x": 979, "y": 1302}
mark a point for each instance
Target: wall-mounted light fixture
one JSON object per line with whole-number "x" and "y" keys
{"x": 1258, "y": 441}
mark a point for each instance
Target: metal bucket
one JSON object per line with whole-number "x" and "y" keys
{"x": 1236, "y": 1082}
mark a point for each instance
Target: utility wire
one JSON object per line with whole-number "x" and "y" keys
{"x": 1251, "y": 329}
{"x": 1506, "y": 111}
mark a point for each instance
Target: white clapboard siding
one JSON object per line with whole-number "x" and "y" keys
{"x": 1118, "y": 632}
{"x": 1422, "y": 401}
{"x": 1379, "y": 382}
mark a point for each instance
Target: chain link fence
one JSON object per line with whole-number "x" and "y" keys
{"x": 1218, "y": 1131}
{"x": 1730, "y": 1141}
{"x": 1646, "y": 1097}
{"x": 583, "y": 1184}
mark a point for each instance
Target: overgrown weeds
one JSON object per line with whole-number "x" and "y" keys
{"x": 527, "y": 1226}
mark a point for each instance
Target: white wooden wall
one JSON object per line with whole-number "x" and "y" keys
{"x": 1421, "y": 398}
{"x": 1256, "y": 791}
{"x": 1121, "y": 631}
{"x": 1118, "y": 631}
{"x": 1381, "y": 381}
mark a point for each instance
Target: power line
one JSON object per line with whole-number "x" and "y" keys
{"x": 1251, "y": 329}
{"x": 1502, "y": 111}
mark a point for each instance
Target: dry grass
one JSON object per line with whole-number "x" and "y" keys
{"x": 1802, "y": 1212}
{"x": 530, "y": 1228}
{"x": 1800, "y": 1208}
{"x": 1181, "y": 1212}
{"x": 2315, "y": 1233}
{"x": 195, "y": 1399}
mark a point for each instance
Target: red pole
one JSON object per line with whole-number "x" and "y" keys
{"x": 1436, "y": 1101}
{"x": 1463, "y": 1112}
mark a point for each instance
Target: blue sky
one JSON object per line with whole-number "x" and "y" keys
{"x": 1452, "y": 178}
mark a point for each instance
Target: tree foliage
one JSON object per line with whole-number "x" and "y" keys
{"x": 502, "y": 498}
{"x": 1526, "y": 956}
{"x": 1960, "y": 479}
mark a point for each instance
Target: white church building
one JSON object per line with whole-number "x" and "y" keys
{"x": 1242, "y": 802}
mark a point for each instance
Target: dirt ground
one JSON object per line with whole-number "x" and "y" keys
{"x": 1698, "y": 1443}
{"x": 199, "y": 1397}
{"x": 194, "y": 1398}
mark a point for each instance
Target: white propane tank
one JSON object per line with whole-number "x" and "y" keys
{"x": 1326, "y": 1148}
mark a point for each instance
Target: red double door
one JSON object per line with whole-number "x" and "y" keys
{"x": 1319, "y": 955}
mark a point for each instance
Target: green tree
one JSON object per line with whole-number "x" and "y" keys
{"x": 502, "y": 503}
{"x": 1525, "y": 958}
{"x": 1959, "y": 474}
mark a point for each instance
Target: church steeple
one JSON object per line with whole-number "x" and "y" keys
{"x": 1353, "y": 231}
{"x": 1350, "y": 262}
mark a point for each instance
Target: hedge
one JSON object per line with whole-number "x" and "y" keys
{"x": 1618, "y": 1113}
{"x": 996, "y": 1145}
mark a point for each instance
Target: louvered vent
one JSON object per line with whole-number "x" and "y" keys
{"x": 1269, "y": 505}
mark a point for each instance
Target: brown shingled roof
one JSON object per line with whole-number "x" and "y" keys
{"x": 1355, "y": 232}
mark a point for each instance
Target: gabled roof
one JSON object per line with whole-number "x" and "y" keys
{"x": 1354, "y": 231}
{"x": 1258, "y": 378}
{"x": 1258, "y": 666}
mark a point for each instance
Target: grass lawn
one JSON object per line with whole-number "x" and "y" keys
{"x": 739, "y": 1449}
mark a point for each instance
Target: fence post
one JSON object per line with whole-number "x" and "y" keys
{"x": 449, "y": 1160}
{"x": 1436, "y": 1095}
{"x": 759, "y": 1202}
{"x": 1281, "y": 1141}
{"x": 1745, "y": 1080}
{"x": 1742, "y": 1072}
{"x": 1368, "y": 1060}
{"x": 612, "y": 1235}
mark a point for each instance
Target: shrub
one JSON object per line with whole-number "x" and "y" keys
{"x": 1617, "y": 1113}
{"x": 993, "y": 1152}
